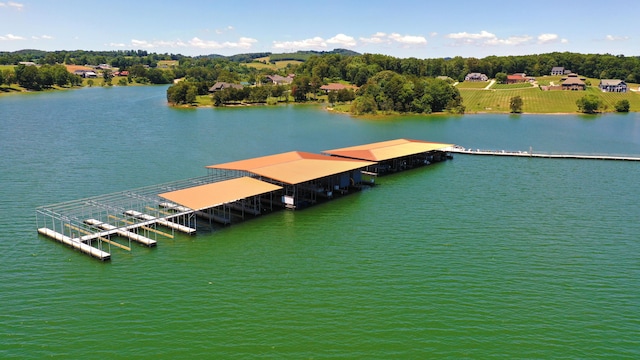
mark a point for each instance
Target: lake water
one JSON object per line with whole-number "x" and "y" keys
{"x": 478, "y": 257}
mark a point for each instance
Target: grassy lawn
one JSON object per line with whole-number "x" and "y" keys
{"x": 535, "y": 100}
{"x": 525, "y": 85}
{"x": 258, "y": 64}
{"x": 547, "y": 80}
{"x": 472, "y": 84}
{"x": 10, "y": 89}
{"x": 167, "y": 64}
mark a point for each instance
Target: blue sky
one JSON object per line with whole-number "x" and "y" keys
{"x": 400, "y": 28}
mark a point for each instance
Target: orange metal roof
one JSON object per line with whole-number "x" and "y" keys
{"x": 386, "y": 150}
{"x": 294, "y": 167}
{"x": 218, "y": 193}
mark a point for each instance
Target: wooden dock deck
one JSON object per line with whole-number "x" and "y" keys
{"x": 531, "y": 154}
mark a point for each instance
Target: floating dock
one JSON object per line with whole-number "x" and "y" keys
{"x": 531, "y": 154}
{"x": 163, "y": 222}
{"x": 121, "y": 232}
{"x": 76, "y": 244}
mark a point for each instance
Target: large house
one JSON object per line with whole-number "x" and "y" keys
{"x": 476, "y": 77}
{"x": 281, "y": 80}
{"x": 573, "y": 82}
{"x": 557, "y": 70}
{"x": 223, "y": 85}
{"x": 611, "y": 85}
{"x": 517, "y": 78}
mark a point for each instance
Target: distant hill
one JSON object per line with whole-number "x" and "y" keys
{"x": 298, "y": 55}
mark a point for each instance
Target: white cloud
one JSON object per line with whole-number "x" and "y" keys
{"x": 465, "y": 36}
{"x": 342, "y": 40}
{"x": 9, "y": 37}
{"x": 43, "y": 37}
{"x": 408, "y": 39}
{"x": 383, "y": 38}
{"x": 484, "y": 38}
{"x": 12, "y": 4}
{"x": 546, "y": 38}
{"x": 511, "y": 40}
{"x": 141, "y": 44}
{"x": 117, "y": 44}
{"x": 242, "y": 43}
{"x": 316, "y": 42}
{"x": 616, "y": 38}
{"x": 376, "y": 38}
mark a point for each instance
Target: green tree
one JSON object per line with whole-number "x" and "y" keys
{"x": 622, "y": 105}
{"x": 516, "y": 104}
{"x": 28, "y": 77}
{"x": 300, "y": 86}
{"x": 192, "y": 93}
{"x": 589, "y": 104}
{"x": 8, "y": 76}
{"x": 501, "y": 78}
{"x": 107, "y": 75}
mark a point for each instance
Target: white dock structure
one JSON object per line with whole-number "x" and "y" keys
{"x": 546, "y": 155}
{"x": 163, "y": 222}
{"x": 122, "y": 232}
{"x": 92, "y": 225}
{"x": 76, "y": 244}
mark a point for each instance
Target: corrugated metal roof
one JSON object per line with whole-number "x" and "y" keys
{"x": 387, "y": 150}
{"x": 218, "y": 193}
{"x": 294, "y": 167}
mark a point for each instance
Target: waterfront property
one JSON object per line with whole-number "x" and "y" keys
{"x": 230, "y": 192}
{"x": 613, "y": 85}
{"x": 573, "y": 82}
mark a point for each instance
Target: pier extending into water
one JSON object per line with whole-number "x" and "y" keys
{"x": 546, "y": 155}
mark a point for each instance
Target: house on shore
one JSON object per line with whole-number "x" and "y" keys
{"x": 516, "y": 78}
{"x": 573, "y": 82}
{"x": 281, "y": 80}
{"x": 476, "y": 77}
{"x": 220, "y": 85}
{"x": 613, "y": 85}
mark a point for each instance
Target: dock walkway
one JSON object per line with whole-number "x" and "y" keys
{"x": 531, "y": 154}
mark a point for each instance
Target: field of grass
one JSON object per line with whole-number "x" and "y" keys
{"x": 167, "y": 64}
{"x": 525, "y": 85}
{"x": 535, "y": 100}
{"x": 547, "y": 80}
{"x": 260, "y": 64}
{"x": 472, "y": 84}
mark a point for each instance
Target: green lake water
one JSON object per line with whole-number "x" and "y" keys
{"x": 478, "y": 257}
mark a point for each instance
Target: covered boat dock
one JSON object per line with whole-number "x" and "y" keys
{"x": 229, "y": 192}
{"x": 395, "y": 155}
{"x": 305, "y": 177}
{"x": 219, "y": 201}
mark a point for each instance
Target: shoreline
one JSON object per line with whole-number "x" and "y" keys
{"x": 12, "y": 91}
